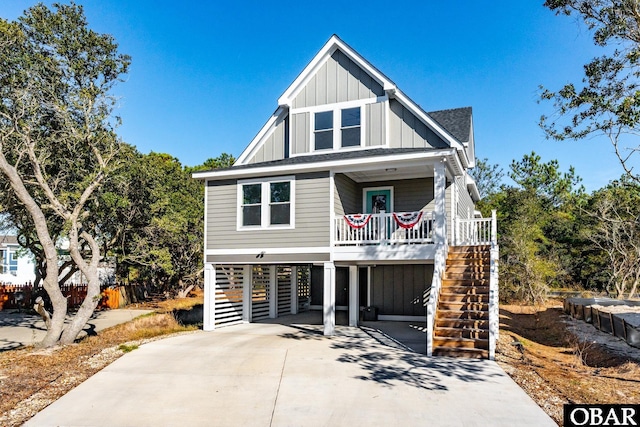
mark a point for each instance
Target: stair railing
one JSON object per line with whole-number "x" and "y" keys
{"x": 439, "y": 265}
{"x": 494, "y": 312}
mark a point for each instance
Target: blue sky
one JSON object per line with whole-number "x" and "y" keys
{"x": 206, "y": 75}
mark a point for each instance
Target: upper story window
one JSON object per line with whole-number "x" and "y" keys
{"x": 266, "y": 204}
{"x": 326, "y": 137}
{"x": 350, "y": 127}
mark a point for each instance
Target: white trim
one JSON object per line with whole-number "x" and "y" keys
{"x": 270, "y": 251}
{"x": 263, "y": 133}
{"x": 336, "y": 131}
{"x": 379, "y": 254}
{"x": 384, "y": 188}
{"x": 339, "y": 165}
{"x": 265, "y": 203}
{"x": 206, "y": 222}
{"x": 339, "y": 105}
{"x": 332, "y": 212}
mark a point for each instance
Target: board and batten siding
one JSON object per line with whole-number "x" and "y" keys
{"x": 339, "y": 79}
{"x": 401, "y": 289}
{"x": 311, "y": 217}
{"x": 273, "y": 147}
{"x": 375, "y": 122}
{"x": 300, "y": 133}
{"x": 407, "y": 131}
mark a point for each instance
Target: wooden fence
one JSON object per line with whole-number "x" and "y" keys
{"x": 23, "y": 296}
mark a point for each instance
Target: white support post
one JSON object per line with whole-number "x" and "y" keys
{"x": 329, "y": 300}
{"x": 294, "y": 289}
{"x": 354, "y": 303}
{"x": 209, "y": 320}
{"x": 247, "y": 285}
{"x": 273, "y": 292}
{"x": 439, "y": 194}
{"x": 494, "y": 227}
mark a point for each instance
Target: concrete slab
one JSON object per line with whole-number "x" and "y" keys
{"x": 19, "y": 329}
{"x": 269, "y": 374}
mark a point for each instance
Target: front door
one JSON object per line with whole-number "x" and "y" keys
{"x": 379, "y": 199}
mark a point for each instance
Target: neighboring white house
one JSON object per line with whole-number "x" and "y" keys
{"x": 17, "y": 265}
{"x": 353, "y": 196}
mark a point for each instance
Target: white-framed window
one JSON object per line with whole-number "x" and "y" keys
{"x": 335, "y": 129}
{"x": 266, "y": 203}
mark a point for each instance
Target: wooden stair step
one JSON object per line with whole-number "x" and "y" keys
{"x": 463, "y": 306}
{"x": 470, "y": 353}
{"x": 463, "y": 297}
{"x": 461, "y": 342}
{"x": 462, "y": 323}
{"x": 462, "y": 314}
{"x": 471, "y": 284}
{"x": 481, "y": 334}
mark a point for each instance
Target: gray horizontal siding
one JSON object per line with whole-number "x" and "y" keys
{"x": 348, "y": 197}
{"x": 407, "y": 131}
{"x": 465, "y": 206}
{"x": 408, "y": 194}
{"x": 401, "y": 289}
{"x": 311, "y": 215}
{"x": 339, "y": 79}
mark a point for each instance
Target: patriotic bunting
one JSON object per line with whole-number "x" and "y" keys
{"x": 357, "y": 220}
{"x": 407, "y": 219}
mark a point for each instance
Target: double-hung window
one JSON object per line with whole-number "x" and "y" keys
{"x": 350, "y": 130}
{"x": 266, "y": 204}
{"x": 326, "y": 133}
{"x": 323, "y": 130}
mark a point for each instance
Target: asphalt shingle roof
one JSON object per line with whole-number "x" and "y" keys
{"x": 457, "y": 121}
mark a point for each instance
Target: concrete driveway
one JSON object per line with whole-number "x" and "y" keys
{"x": 269, "y": 374}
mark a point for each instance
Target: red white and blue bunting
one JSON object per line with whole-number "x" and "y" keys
{"x": 407, "y": 219}
{"x": 357, "y": 220}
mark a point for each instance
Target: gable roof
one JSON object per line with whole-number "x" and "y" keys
{"x": 445, "y": 127}
{"x": 334, "y": 43}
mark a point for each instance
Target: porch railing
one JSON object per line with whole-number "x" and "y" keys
{"x": 475, "y": 231}
{"x": 383, "y": 228}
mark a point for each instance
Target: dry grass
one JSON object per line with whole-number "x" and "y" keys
{"x": 553, "y": 366}
{"x": 556, "y": 367}
{"x": 31, "y": 379}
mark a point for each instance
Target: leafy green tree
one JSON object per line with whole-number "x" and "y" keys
{"x": 536, "y": 227}
{"x": 607, "y": 100}
{"x": 224, "y": 160}
{"x": 488, "y": 177}
{"x": 57, "y": 140}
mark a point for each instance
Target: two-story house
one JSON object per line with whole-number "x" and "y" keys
{"x": 350, "y": 196}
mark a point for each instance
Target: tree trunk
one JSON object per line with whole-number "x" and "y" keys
{"x": 58, "y": 300}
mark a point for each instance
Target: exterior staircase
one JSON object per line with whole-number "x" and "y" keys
{"x": 462, "y": 317}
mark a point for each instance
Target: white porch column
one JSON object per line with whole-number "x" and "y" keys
{"x": 439, "y": 195}
{"x": 247, "y": 291}
{"x": 329, "y": 300}
{"x": 354, "y": 302}
{"x": 209, "y": 320}
{"x": 273, "y": 292}
{"x": 294, "y": 289}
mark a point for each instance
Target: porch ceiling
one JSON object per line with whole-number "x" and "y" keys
{"x": 391, "y": 173}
